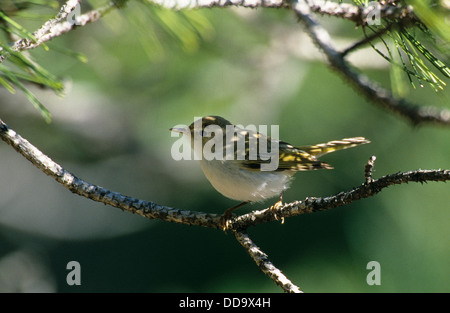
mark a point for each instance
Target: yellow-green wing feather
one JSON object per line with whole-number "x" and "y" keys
{"x": 304, "y": 158}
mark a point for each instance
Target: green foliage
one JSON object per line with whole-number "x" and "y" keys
{"x": 18, "y": 68}
{"x": 17, "y": 7}
{"x": 414, "y": 45}
{"x": 158, "y": 27}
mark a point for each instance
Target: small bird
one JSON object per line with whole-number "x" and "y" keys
{"x": 235, "y": 164}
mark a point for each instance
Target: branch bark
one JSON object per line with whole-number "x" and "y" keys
{"x": 195, "y": 4}
{"x": 97, "y": 193}
{"x": 366, "y": 190}
{"x": 359, "y": 14}
{"x": 58, "y": 26}
{"x": 262, "y": 260}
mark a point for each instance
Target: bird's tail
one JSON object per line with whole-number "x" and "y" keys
{"x": 331, "y": 146}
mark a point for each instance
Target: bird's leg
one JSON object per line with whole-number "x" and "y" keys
{"x": 225, "y": 219}
{"x": 274, "y": 208}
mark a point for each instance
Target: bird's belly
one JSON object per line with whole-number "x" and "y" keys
{"x": 237, "y": 183}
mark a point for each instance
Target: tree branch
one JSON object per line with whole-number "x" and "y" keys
{"x": 78, "y": 186}
{"x": 65, "y": 10}
{"x": 261, "y": 259}
{"x": 58, "y": 26}
{"x": 366, "y": 190}
{"x": 366, "y": 40}
{"x": 359, "y": 14}
{"x": 351, "y": 12}
{"x": 368, "y": 169}
{"x": 373, "y": 91}
{"x": 195, "y": 4}
{"x": 303, "y": 8}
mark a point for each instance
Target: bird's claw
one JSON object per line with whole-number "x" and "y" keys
{"x": 274, "y": 208}
{"x": 225, "y": 221}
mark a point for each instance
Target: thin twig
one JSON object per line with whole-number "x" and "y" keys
{"x": 366, "y": 40}
{"x": 65, "y": 10}
{"x": 368, "y": 170}
{"x": 261, "y": 259}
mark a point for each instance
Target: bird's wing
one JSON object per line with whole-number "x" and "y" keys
{"x": 290, "y": 158}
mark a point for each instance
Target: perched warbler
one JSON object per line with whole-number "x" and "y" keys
{"x": 236, "y": 160}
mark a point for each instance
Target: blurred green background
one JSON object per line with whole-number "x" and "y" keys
{"x": 145, "y": 74}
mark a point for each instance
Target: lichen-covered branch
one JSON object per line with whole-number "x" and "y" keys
{"x": 78, "y": 186}
{"x": 58, "y": 26}
{"x": 195, "y": 4}
{"x": 359, "y": 14}
{"x": 369, "y": 188}
{"x": 261, "y": 259}
{"x": 348, "y": 11}
{"x": 368, "y": 169}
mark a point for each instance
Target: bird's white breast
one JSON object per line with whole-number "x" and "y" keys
{"x": 238, "y": 183}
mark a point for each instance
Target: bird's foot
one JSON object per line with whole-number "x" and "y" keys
{"x": 225, "y": 221}
{"x": 274, "y": 209}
